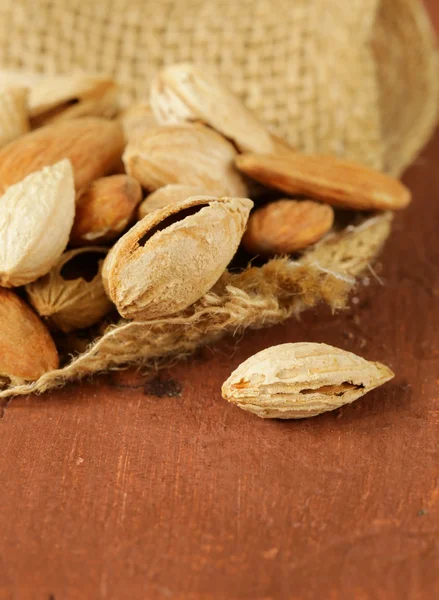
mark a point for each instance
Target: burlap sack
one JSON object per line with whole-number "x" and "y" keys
{"x": 356, "y": 78}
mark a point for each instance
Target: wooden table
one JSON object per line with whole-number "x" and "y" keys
{"x": 134, "y": 489}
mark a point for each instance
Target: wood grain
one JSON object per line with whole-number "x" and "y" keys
{"x": 132, "y": 488}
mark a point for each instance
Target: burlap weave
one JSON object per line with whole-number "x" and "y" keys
{"x": 357, "y": 78}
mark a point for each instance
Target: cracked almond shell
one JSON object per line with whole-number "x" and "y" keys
{"x": 72, "y": 296}
{"x": 27, "y": 350}
{"x": 293, "y": 381}
{"x": 173, "y": 256}
{"x": 36, "y": 216}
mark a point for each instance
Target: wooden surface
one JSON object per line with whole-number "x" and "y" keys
{"x": 135, "y": 489}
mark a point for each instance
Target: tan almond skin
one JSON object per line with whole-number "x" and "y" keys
{"x": 93, "y": 146}
{"x": 331, "y": 180}
{"x": 27, "y": 350}
{"x": 104, "y": 210}
{"x": 286, "y": 226}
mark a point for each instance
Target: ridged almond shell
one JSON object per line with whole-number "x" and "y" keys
{"x": 36, "y": 216}
{"x": 72, "y": 301}
{"x": 329, "y": 179}
{"x": 173, "y": 256}
{"x": 188, "y": 154}
{"x": 167, "y": 195}
{"x": 92, "y": 145}
{"x": 186, "y": 92}
{"x": 27, "y": 350}
{"x": 294, "y": 381}
{"x": 14, "y": 117}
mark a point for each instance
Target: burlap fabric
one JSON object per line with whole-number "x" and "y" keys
{"x": 356, "y": 78}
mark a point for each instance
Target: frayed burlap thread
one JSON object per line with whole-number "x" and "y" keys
{"x": 257, "y": 297}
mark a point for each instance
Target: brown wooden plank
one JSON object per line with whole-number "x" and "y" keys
{"x": 110, "y": 491}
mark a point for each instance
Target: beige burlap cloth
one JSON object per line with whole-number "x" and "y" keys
{"x": 356, "y": 78}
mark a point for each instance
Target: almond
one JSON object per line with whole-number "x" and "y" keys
{"x": 188, "y": 154}
{"x": 36, "y": 216}
{"x": 26, "y": 348}
{"x": 169, "y": 194}
{"x": 294, "y": 381}
{"x": 104, "y": 209}
{"x": 333, "y": 181}
{"x": 72, "y": 96}
{"x": 286, "y": 226}
{"x": 14, "y": 117}
{"x": 186, "y": 92}
{"x": 72, "y": 296}
{"x": 173, "y": 256}
{"x": 92, "y": 145}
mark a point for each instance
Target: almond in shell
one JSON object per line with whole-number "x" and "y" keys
{"x": 173, "y": 256}
{"x": 186, "y": 92}
{"x": 188, "y": 154}
{"x": 72, "y": 296}
{"x": 72, "y": 96}
{"x": 36, "y": 216}
{"x": 294, "y": 381}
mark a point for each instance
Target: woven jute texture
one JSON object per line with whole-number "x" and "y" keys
{"x": 356, "y": 78}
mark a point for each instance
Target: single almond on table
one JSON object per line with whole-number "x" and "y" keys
{"x": 172, "y": 257}
{"x": 294, "y": 381}
{"x": 189, "y": 154}
{"x": 286, "y": 226}
{"x": 104, "y": 209}
{"x": 334, "y": 181}
{"x": 36, "y": 216}
{"x": 72, "y": 296}
{"x": 186, "y": 92}
{"x": 27, "y": 350}
{"x": 71, "y": 96}
{"x": 14, "y": 116}
{"x": 92, "y": 145}
{"x": 169, "y": 194}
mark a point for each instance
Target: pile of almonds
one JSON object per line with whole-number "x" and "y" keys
{"x": 138, "y": 212}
